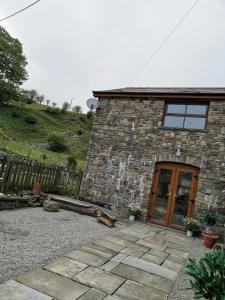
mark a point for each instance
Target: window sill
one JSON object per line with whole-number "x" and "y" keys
{"x": 183, "y": 129}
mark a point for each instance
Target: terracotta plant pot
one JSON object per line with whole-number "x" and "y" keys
{"x": 209, "y": 239}
{"x": 36, "y": 189}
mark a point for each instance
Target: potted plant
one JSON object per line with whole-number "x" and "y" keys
{"x": 134, "y": 211}
{"x": 209, "y": 218}
{"x": 208, "y": 274}
{"x": 192, "y": 226}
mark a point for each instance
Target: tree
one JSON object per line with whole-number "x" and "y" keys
{"x": 12, "y": 66}
{"x": 40, "y": 98}
{"x": 65, "y": 106}
{"x": 54, "y": 104}
{"x": 47, "y": 102}
{"x": 77, "y": 109}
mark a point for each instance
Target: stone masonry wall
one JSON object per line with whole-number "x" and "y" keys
{"x": 128, "y": 139}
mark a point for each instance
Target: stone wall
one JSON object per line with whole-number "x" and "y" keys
{"x": 128, "y": 139}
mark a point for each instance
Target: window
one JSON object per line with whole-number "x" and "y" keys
{"x": 187, "y": 116}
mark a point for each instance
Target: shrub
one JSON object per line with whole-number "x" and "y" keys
{"x": 30, "y": 119}
{"x": 71, "y": 161}
{"x": 79, "y": 132}
{"x": 44, "y": 156}
{"x": 208, "y": 274}
{"x": 90, "y": 115}
{"x": 82, "y": 118}
{"x": 15, "y": 114}
{"x": 57, "y": 143}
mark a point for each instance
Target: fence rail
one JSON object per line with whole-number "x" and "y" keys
{"x": 17, "y": 174}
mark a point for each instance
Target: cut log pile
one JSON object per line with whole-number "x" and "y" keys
{"x": 52, "y": 203}
{"x": 24, "y": 199}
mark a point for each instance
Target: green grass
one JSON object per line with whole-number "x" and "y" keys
{"x": 23, "y": 137}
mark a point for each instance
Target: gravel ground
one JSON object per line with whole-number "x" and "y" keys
{"x": 182, "y": 288}
{"x": 32, "y": 237}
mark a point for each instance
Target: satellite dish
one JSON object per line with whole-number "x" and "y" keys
{"x": 93, "y": 103}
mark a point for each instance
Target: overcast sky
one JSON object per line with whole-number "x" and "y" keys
{"x": 76, "y": 46}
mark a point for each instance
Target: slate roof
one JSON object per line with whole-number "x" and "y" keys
{"x": 167, "y": 91}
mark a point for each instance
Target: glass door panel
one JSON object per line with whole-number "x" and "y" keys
{"x": 182, "y": 197}
{"x": 162, "y": 195}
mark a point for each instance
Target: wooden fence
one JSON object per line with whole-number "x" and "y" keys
{"x": 18, "y": 174}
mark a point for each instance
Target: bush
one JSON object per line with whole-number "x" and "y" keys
{"x": 90, "y": 115}
{"x": 71, "y": 161}
{"x": 30, "y": 119}
{"x": 57, "y": 143}
{"x": 15, "y": 114}
{"x": 208, "y": 274}
{"x": 82, "y": 118}
{"x": 79, "y": 132}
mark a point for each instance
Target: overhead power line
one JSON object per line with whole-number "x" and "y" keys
{"x": 164, "y": 41}
{"x": 19, "y": 11}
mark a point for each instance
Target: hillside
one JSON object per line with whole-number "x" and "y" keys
{"x": 21, "y": 138}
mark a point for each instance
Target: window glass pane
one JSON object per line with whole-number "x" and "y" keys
{"x": 194, "y": 123}
{"x": 176, "y": 108}
{"x": 196, "y": 109}
{"x": 171, "y": 121}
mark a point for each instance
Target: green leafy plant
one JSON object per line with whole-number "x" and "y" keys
{"x": 209, "y": 218}
{"x": 192, "y": 225}
{"x": 134, "y": 210}
{"x": 57, "y": 143}
{"x": 209, "y": 275}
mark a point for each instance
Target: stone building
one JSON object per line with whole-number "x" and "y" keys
{"x": 162, "y": 148}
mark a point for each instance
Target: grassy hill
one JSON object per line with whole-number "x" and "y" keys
{"x": 20, "y": 138}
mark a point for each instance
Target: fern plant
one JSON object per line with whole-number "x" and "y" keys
{"x": 209, "y": 275}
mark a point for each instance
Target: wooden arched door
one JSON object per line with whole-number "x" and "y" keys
{"x": 173, "y": 194}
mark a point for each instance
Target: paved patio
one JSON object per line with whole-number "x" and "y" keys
{"x": 140, "y": 261}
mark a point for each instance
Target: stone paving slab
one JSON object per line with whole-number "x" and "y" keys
{"x": 139, "y": 262}
{"x": 133, "y": 251}
{"x": 88, "y": 258}
{"x": 66, "y": 267}
{"x": 135, "y": 232}
{"x": 131, "y": 290}
{"x": 109, "y": 265}
{"x": 177, "y": 246}
{"x": 12, "y": 290}
{"x": 100, "y": 280}
{"x": 172, "y": 265}
{"x": 134, "y": 274}
{"x": 127, "y": 237}
{"x": 53, "y": 284}
{"x": 99, "y": 250}
{"x": 158, "y": 253}
{"x": 176, "y": 252}
{"x": 93, "y": 294}
{"x": 150, "y": 267}
{"x": 153, "y": 258}
{"x": 119, "y": 257}
{"x": 177, "y": 259}
{"x": 152, "y": 245}
{"x": 111, "y": 245}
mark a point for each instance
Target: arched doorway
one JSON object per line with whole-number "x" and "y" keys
{"x": 173, "y": 194}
